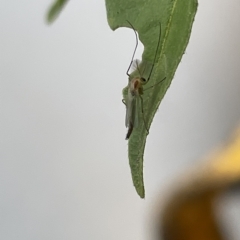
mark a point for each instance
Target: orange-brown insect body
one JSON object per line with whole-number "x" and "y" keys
{"x": 135, "y": 86}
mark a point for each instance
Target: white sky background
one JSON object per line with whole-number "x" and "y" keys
{"x": 64, "y": 170}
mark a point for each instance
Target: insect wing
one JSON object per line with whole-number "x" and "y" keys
{"x": 129, "y": 109}
{"x": 132, "y": 112}
{"x": 135, "y": 65}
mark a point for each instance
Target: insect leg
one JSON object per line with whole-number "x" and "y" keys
{"x": 134, "y": 49}
{"x": 154, "y": 84}
{"x": 145, "y": 124}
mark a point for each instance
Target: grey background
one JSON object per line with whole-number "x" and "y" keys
{"x": 64, "y": 170}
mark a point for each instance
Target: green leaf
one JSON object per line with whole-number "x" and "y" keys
{"x": 55, "y": 9}
{"x": 176, "y": 18}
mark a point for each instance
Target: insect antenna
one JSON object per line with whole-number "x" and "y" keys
{"x": 134, "y": 49}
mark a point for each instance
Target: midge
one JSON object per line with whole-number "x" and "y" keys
{"x": 134, "y": 100}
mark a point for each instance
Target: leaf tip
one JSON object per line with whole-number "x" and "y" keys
{"x": 140, "y": 191}
{"x": 55, "y": 10}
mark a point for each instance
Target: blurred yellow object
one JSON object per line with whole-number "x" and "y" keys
{"x": 189, "y": 212}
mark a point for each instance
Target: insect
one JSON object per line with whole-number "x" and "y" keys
{"x": 134, "y": 100}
